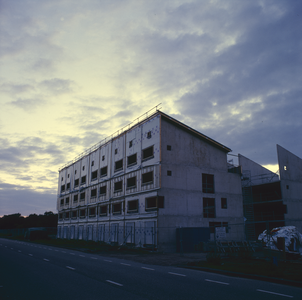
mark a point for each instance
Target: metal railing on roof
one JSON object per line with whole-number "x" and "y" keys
{"x": 141, "y": 118}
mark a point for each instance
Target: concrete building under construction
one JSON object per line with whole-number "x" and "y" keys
{"x": 139, "y": 185}
{"x": 272, "y": 199}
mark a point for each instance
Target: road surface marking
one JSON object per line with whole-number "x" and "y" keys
{"x": 30, "y": 254}
{"x": 57, "y": 250}
{"x": 45, "y": 259}
{"x": 63, "y": 251}
{"x": 72, "y": 253}
{"x": 125, "y": 264}
{"x": 177, "y": 274}
{"x": 93, "y": 257}
{"x": 217, "y": 281}
{"x": 49, "y": 249}
{"x": 70, "y": 268}
{"x": 147, "y": 268}
{"x": 82, "y": 255}
{"x": 275, "y": 293}
{"x": 107, "y": 260}
{"x": 114, "y": 283}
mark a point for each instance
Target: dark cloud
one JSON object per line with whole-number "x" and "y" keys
{"x": 57, "y": 86}
{"x": 29, "y": 104}
{"x": 14, "y": 89}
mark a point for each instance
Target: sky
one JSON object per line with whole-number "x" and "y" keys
{"x": 74, "y": 72}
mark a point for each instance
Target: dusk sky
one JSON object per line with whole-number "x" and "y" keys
{"x": 74, "y": 72}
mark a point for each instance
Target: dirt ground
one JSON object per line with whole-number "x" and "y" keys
{"x": 163, "y": 259}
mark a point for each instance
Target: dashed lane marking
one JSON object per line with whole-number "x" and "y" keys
{"x": 220, "y": 282}
{"x": 30, "y": 254}
{"x": 45, "y": 259}
{"x": 93, "y": 257}
{"x": 82, "y": 255}
{"x": 177, "y": 274}
{"x": 71, "y": 268}
{"x": 263, "y": 291}
{"x": 147, "y": 268}
{"x": 125, "y": 264}
{"x": 107, "y": 260}
{"x": 114, "y": 282}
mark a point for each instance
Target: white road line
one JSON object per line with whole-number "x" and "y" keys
{"x": 30, "y": 254}
{"x": 125, "y": 264}
{"x": 82, "y": 255}
{"x": 45, "y": 259}
{"x": 114, "y": 282}
{"x": 72, "y": 253}
{"x": 70, "y": 268}
{"x": 147, "y": 268}
{"x": 288, "y": 296}
{"x": 63, "y": 251}
{"x": 107, "y": 260}
{"x": 217, "y": 281}
{"x": 177, "y": 274}
{"x": 93, "y": 257}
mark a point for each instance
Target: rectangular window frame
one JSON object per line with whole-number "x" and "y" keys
{"x": 132, "y": 206}
{"x": 118, "y": 165}
{"x": 130, "y": 181}
{"x": 145, "y": 178}
{"x": 103, "y": 210}
{"x": 209, "y": 210}
{"x": 102, "y": 188}
{"x": 83, "y": 180}
{"x": 93, "y": 193}
{"x": 224, "y": 203}
{"x": 118, "y": 186}
{"x": 146, "y": 155}
{"x": 208, "y": 184}
{"x": 131, "y": 161}
{"x": 94, "y": 175}
{"x": 115, "y": 207}
{"x": 76, "y": 182}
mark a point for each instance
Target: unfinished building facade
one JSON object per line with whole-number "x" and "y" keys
{"x": 272, "y": 199}
{"x": 138, "y": 186}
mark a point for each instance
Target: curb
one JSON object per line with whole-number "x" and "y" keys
{"x": 248, "y": 276}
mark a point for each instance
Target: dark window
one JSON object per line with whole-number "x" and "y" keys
{"x": 213, "y": 225}
{"x": 67, "y": 200}
{"x": 62, "y": 202}
{"x": 62, "y": 179}
{"x": 169, "y": 147}
{"x": 131, "y": 182}
{"x": 151, "y": 203}
{"x": 149, "y": 135}
{"x": 160, "y": 201}
{"x": 115, "y": 151}
{"x": 224, "y": 203}
{"x": 93, "y": 193}
{"x": 118, "y": 186}
{"x": 68, "y": 186}
{"x": 148, "y": 153}
{"x": 92, "y": 212}
{"x": 169, "y": 173}
{"x": 104, "y": 171}
{"x": 208, "y": 183}
{"x": 67, "y": 215}
{"x": 92, "y": 163}
{"x": 75, "y": 198}
{"x": 82, "y": 213}
{"x": 132, "y": 206}
{"x": 130, "y": 144}
{"x": 103, "y": 210}
{"x": 94, "y": 175}
{"x": 287, "y": 187}
{"x": 103, "y": 157}
{"x": 62, "y": 188}
{"x": 147, "y": 178}
{"x": 76, "y": 182}
{"x": 118, "y": 165}
{"x": 60, "y": 216}
{"x": 74, "y": 214}
{"x": 82, "y": 196}
{"x": 117, "y": 208}
{"x": 83, "y": 179}
{"x": 75, "y": 172}
{"x": 103, "y": 190}
{"x": 209, "y": 207}
{"x": 68, "y": 176}
{"x": 83, "y": 168}
{"x": 131, "y": 160}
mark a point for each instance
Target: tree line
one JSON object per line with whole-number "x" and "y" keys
{"x": 49, "y": 219}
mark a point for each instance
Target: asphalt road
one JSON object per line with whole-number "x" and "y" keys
{"x": 32, "y": 271}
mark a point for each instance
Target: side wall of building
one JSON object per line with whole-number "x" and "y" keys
{"x": 185, "y": 158}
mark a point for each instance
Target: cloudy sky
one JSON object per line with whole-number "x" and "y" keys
{"x": 73, "y": 72}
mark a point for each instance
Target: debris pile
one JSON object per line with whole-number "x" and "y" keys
{"x": 292, "y": 237}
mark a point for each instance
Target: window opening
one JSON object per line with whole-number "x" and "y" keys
{"x": 148, "y": 153}
{"x": 92, "y": 163}
{"x": 75, "y": 198}
{"x": 169, "y": 173}
{"x": 103, "y": 210}
{"x": 62, "y": 202}
{"x": 63, "y": 188}
{"x": 131, "y": 160}
{"x": 83, "y": 168}
{"x": 82, "y": 213}
{"x": 118, "y": 165}
{"x": 67, "y": 215}
{"x": 130, "y": 144}
{"x": 68, "y": 176}
{"x": 131, "y": 182}
{"x": 67, "y": 200}
{"x": 103, "y": 190}
{"x": 147, "y": 178}
{"x": 224, "y": 203}
{"x": 76, "y": 182}
{"x": 68, "y": 186}
{"x": 83, "y": 180}
{"x": 169, "y": 147}
{"x": 94, "y": 175}
{"x": 149, "y": 135}
{"x": 208, "y": 183}
{"x": 92, "y": 212}
{"x": 118, "y": 186}
{"x": 117, "y": 208}
{"x": 74, "y": 214}
{"x": 93, "y": 193}
{"x": 132, "y": 206}
{"x": 103, "y": 157}
{"x": 82, "y": 196}
{"x": 209, "y": 207}
{"x": 151, "y": 203}
{"x": 104, "y": 171}
{"x": 115, "y": 151}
